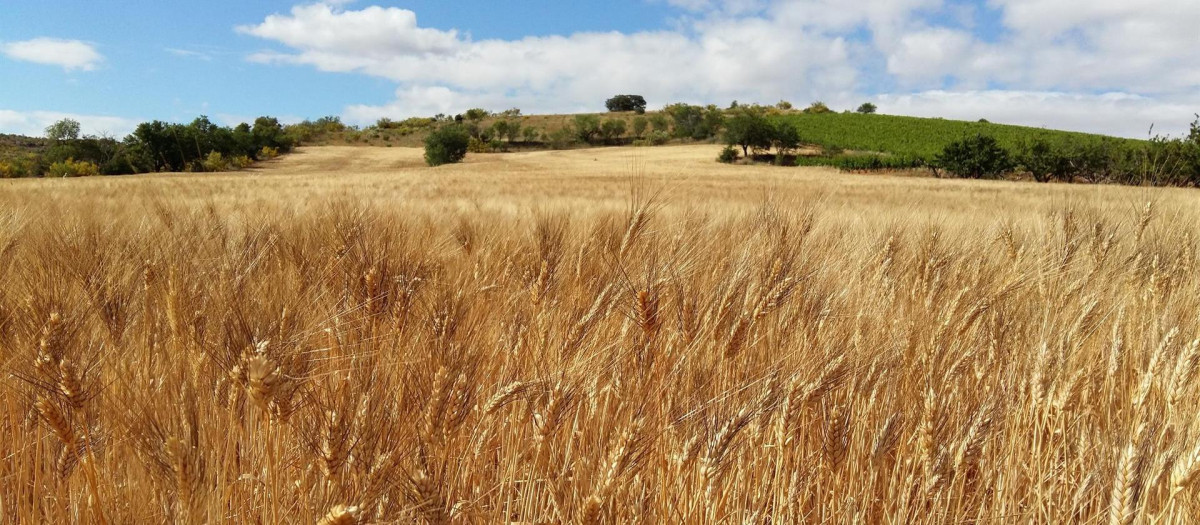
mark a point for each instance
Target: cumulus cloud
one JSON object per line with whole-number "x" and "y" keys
{"x": 34, "y": 123}
{"x": 68, "y": 54}
{"x": 1044, "y": 62}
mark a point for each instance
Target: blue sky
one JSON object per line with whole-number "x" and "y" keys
{"x": 1096, "y": 65}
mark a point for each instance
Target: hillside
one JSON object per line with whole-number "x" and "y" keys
{"x": 919, "y": 137}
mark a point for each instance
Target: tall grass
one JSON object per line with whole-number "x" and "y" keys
{"x": 357, "y": 364}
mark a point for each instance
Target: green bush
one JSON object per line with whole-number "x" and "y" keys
{"x": 640, "y": 123}
{"x": 531, "y": 134}
{"x": 975, "y": 157}
{"x": 561, "y": 138}
{"x": 475, "y": 145}
{"x": 73, "y": 168}
{"x": 658, "y": 138}
{"x": 817, "y": 108}
{"x": 241, "y": 162}
{"x": 215, "y": 162}
{"x": 635, "y": 103}
{"x": 268, "y": 153}
{"x": 587, "y": 127}
{"x": 867, "y": 108}
{"x": 728, "y": 155}
{"x": 446, "y": 145}
{"x": 612, "y": 129}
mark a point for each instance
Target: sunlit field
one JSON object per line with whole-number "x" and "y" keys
{"x": 623, "y": 335}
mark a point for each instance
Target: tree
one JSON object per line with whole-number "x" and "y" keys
{"x": 785, "y": 137}
{"x": 660, "y": 122}
{"x": 446, "y": 145}
{"x": 65, "y": 129}
{"x": 477, "y": 114}
{"x": 612, "y": 129}
{"x": 867, "y": 108}
{"x": 750, "y": 129}
{"x": 531, "y": 134}
{"x": 634, "y": 103}
{"x": 587, "y": 127}
{"x": 695, "y": 122}
{"x": 784, "y": 105}
{"x": 975, "y": 157}
{"x": 640, "y": 123}
{"x": 1044, "y": 161}
{"x": 817, "y": 108}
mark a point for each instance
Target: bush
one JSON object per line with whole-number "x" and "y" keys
{"x": 268, "y": 153}
{"x": 612, "y": 129}
{"x": 477, "y": 114}
{"x": 660, "y": 123}
{"x": 784, "y": 105}
{"x": 867, "y": 108}
{"x": 531, "y": 134}
{"x": 658, "y": 138}
{"x": 587, "y": 127}
{"x": 73, "y": 168}
{"x": 446, "y": 145}
{"x": 640, "y": 123}
{"x": 635, "y": 103}
{"x": 241, "y": 162}
{"x": 561, "y": 138}
{"x": 817, "y": 108}
{"x": 215, "y": 162}
{"x": 728, "y": 155}
{"x": 696, "y": 122}
{"x": 975, "y": 157}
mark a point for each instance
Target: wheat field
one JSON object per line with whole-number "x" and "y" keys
{"x": 594, "y": 336}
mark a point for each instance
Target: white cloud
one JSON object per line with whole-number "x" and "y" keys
{"x": 68, "y": 54}
{"x": 34, "y": 123}
{"x": 1045, "y": 62}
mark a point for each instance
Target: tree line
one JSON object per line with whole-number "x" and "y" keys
{"x": 155, "y": 146}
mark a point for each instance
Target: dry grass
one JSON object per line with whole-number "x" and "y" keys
{"x": 524, "y": 339}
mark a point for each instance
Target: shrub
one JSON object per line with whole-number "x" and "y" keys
{"x": 475, "y": 145}
{"x": 477, "y": 114}
{"x": 1044, "y": 161}
{"x": 635, "y": 103}
{"x": 975, "y": 157}
{"x": 817, "y": 108}
{"x": 561, "y": 138}
{"x": 268, "y": 153}
{"x": 73, "y": 168}
{"x": 215, "y": 162}
{"x": 867, "y": 108}
{"x": 658, "y": 138}
{"x": 728, "y": 155}
{"x": 612, "y": 129}
{"x": 241, "y": 162}
{"x": 660, "y": 123}
{"x": 531, "y": 134}
{"x": 496, "y": 146}
{"x": 587, "y": 127}
{"x": 784, "y": 105}
{"x": 640, "y": 123}
{"x": 446, "y": 145}
{"x": 696, "y": 122}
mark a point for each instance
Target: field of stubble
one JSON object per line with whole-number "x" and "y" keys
{"x": 595, "y": 336}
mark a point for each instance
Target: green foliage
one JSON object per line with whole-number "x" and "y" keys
{"x": 867, "y": 108}
{"x": 1044, "y": 161}
{"x": 658, "y": 138}
{"x": 749, "y": 129}
{"x": 531, "y": 134}
{"x": 65, "y": 129}
{"x": 634, "y": 103}
{"x": 612, "y": 129}
{"x": 784, "y": 105}
{"x": 785, "y": 137}
{"x": 73, "y": 168}
{"x": 696, "y": 122}
{"x": 268, "y": 153}
{"x": 215, "y": 162}
{"x": 561, "y": 138}
{"x": 446, "y": 145}
{"x": 975, "y": 157}
{"x": 863, "y": 162}
{"x": 640, "y": 123}
{"x": 817, "y": 108}
{"x": 587, "y": 127}
{"x": 476, "y": 114}
{"x": 728, "y": 155}
{"x": 660, "y": 122}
